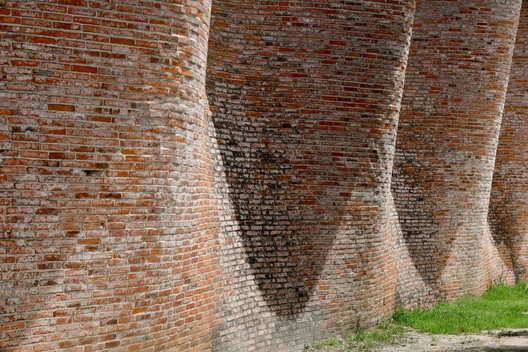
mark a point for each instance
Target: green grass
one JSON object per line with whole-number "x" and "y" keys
{"x": 334, "y": 341}
{"x": 501, "y": 307}
{"x": 386, "y": 333}
{"x": 363, "y": 340}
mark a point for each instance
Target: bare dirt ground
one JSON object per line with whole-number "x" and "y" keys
{"x": 416, "y": 342}
{"x": 505, "y": 341}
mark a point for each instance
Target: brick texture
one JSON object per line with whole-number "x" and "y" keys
{"x": 109, "y": 235}
{"x": 509, "y": 197}
{"x": 454, "y": 93}
{"x": 252, "y": 175}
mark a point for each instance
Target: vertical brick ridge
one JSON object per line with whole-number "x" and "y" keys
{"x": 305, "y": 99}
{"x": 447, "y": 138}
{"x": 107, "y": 213}
{"x": 508, "y": 205}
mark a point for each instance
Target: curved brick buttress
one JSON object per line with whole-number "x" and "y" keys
{"x": 305, "y": 98}
{"x": 453, "y": 100}
{"x": 509, "y": 197}
{"x": 108, "y": 232}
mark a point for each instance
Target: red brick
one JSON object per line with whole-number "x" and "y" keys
{"x": 122, "y": 41}
{"x": 86, "y": 69}
{"x": 42, "y": 40}
{"x": 61, "y": 107}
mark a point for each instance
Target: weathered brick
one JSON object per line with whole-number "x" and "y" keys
{"x": 137, "y": 217}
{"x": 61, "y": 107}
{"x": 307, "y": 163}
{"x": 509, "y": 195}
{"x": 455, "y": 87}
{"x": 75, "y": 231}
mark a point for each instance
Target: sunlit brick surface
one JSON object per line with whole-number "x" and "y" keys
{"x": 509, "y": 196}
{"x": 455, "y": 85}
{"x": 108, "y": 232}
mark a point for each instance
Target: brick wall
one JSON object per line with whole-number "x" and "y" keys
{"x": 237, "y": 175}
{"x": 509, "y": 207}
{"x": 109, "y": 235}
{"x": 305, "y": 116}
{"x": 454, "y": 93}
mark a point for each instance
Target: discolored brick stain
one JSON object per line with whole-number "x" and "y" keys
{"x": 238, "y": 176}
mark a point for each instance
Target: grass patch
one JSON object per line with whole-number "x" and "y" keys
{"x": 384, "y": 334}
{"x": 334, "y": 341}
{"x": 364, "y": 340}
{"x": 501, "y": 307}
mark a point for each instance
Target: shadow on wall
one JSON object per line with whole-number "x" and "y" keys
{"x": 508, "y": 216}
{"x": 286, "y": 206}
{"x": 305, "y": 122}
{"x": 447, "y": 135}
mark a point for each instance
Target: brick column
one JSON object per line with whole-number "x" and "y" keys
{"x": 305, "y": 98}
{"x": 509, "y": 197}
{"x": 108, "y": 229}
{"x": 453, "y": 100}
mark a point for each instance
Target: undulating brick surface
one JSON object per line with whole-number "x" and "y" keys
{"x": 109, "y": 236}
{"x": 305, "y": 98}
{"x": 509, "y": 196}
{"x": 455, "y": 86}
{"x": 225, "y": 175}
